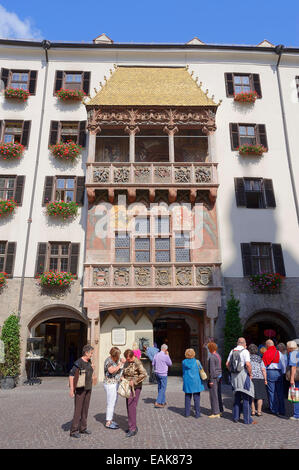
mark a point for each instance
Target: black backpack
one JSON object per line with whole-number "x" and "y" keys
{"x": 235, "y": 365}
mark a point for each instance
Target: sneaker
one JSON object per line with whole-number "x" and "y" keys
{"x": 112, "y": 426}
{"x": 294, "y": 419}
{"x": 215, "y": 416}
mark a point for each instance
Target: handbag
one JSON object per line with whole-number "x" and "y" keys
{"x": 293, "y": 395}
{"x": 81, "y": 378}
{"x": 124, "y": 389}
{"x": 202, "y": 373}
{"x": 288, "y": 374}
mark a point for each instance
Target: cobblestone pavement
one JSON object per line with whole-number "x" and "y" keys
{"x": 39, "y": 417}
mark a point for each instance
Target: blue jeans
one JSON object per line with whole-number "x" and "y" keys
{"x": 275, "y": 391}
{"x": 246, "y": 399}
{"x": 162, "y": 384}
{"x": 296, "y": 405}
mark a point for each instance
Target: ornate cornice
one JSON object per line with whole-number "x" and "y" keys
{"x": 203, "y": 117}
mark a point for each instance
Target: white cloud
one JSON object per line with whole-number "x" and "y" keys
{"x": 12, "y": 27}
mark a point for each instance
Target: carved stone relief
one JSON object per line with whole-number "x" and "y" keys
{"x": 101, "y": 175}
{"x": 204, "y": 275}
{"x": 203, "y": 175}
{"x": 121, "y": 277}
{"x": 101, "y": 277}
{"x": 143, "y": 276}
{"x": 163, "y": 276}
{"x": 122, "y": 175}
{"x": 183, "y": 276}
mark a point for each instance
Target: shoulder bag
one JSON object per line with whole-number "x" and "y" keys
{"x": 81, "y": 375}
{"x": 202, "y": 373}
{"x": 124, "y": 389}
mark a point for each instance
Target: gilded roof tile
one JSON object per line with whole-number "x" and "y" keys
{"x": 151, "y": 86}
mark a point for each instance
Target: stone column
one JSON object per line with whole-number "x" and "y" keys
{"x": 170, "y": 130}
{"x": 92, "y": 138}
{"x": 213, "y": 303}
{"x": 93, "y": 335}
{"x": 132, "y": 131}
{"x": 211, "y": 147}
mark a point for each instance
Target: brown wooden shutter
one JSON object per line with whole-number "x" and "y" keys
{"x": 257, "y": 84}
{"x": 240, "y": 192}
{"x": 82, "y": 133}
{"x": 41, "y": 258}
{"x": 58, "y": 80}
{"x": 229, "y": 83}
{"x": 53, "y": 132}
{"x": 234, "y": 136}
{"x": 86, "y": 82}
{"x": 25, "y": 133}
{"x": 80, "y": 191}
{"x": 32, "y": 82}
{"x": 269, "y": 193}
{"x": 20, "y": 181}
{"x": 10, "y": 258}
{"x": 246, "y": 259}
{"x": 261, "y": 135}
{"x": 5, "y": 76}
{"x": 74, "y": 257}
{"x": 48, "y": 189}
{"x": 278, "y": 259}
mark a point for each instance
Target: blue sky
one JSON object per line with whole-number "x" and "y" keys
{"x": 157, "y": 21}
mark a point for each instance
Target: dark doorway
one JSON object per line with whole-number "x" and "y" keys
{"x": 63, "y": 340}
{"x": 176, "y": 334}
{"x": 259, "y": 332}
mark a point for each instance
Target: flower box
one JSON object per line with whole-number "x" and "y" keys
{"x": 7, "y": 207}
{"x": 246, "y": 97}
{"x": 65, "y": 210}
{"x": 11, "y": 151}
{"x": 66, "y": 150}
{"x": 56, "y": 279}
{"x": 3, "y": 281}
{"x": 256, "y": 150}
{"x": 70, "y": 95}
{"x": 17, "y": 94}
{"x": 266, "y": 283}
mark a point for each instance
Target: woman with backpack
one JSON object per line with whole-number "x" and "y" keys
{"x": 192, "y": 384}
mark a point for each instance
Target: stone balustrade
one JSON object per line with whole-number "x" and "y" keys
{"x": 152, "y": 276}
{"x": 151, "y": 174}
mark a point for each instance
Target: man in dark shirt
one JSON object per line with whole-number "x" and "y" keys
{"x": 82, "y": 394}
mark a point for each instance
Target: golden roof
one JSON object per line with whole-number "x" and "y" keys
{"x": 151, "y": 86}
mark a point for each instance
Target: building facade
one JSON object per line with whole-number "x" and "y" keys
{"x": 171, "y": 216}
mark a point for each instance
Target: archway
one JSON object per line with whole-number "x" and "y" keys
{"x": 256, "y": 329}
{"x": 58, "y": 335}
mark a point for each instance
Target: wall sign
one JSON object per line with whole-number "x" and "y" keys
{"x": 118, "y": 336}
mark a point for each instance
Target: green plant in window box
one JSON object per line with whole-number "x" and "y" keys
{"x": 252, "y": 149}
{"x": 17, "y": 94}
{"x": 7, "y": 207}
{"x": 65, "y": 94}
{"x": 56, "y": 279}
{"x": 10, "y": 368}
{"x": 11, "y": 151}
{"x": 66, "y": 210}
{"x": 66, "y": 150}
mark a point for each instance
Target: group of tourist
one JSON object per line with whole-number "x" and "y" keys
{"x": 254, "y": 374}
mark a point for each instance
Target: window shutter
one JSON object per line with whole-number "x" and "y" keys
{"x": 32, "y": 82}
{"x": 25, "y": 133}
{"x": 48, "y": 189}
{"x": 19, "y": 190}
{"x": 278, "y": 259}
{"x": 262, "y": 136}
{"x": 246, "y": 258}
{"x": 80, "y": 190}
{"x": 240, "y": 192}
{"x": 41, "y": 258}
{"x": 234, "y": 136}
{"x": 58, "y": 80}
{"x": 229, "y": 82}
{"x": 269, "y": 193}
{"x": 74, "y": 257}
{"x": 0, "y": 130}
{"x": 10, "y": 258}
{"x": 86, "y": 82}
{"x": 4, "y": 76}
{"x": 257, "y": 84}
{"x": 54, "y": 132}
{"x": 82, "y": 133}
